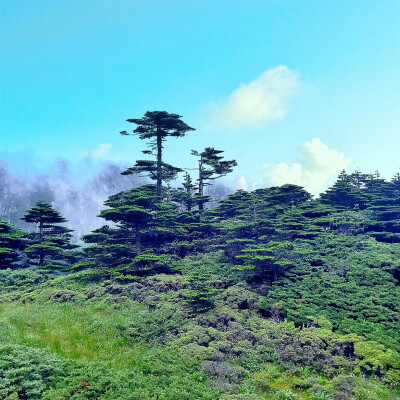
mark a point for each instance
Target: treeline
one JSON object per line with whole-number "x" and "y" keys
{"x": 152, "y": 224}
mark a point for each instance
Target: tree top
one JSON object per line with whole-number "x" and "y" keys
{"x": 43, "y": 212}
{"x": 156, "y": 123}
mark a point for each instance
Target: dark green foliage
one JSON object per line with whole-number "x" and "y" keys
{"x": 205, "y": 275}
{"x": 144, "y": 224}
{"x": 346, "y": 192}
{"x": 211, "y": 167}
{"x": 149, "y": 168}
{"x": 51, "y": 240}
{"x": 44, "y": 215}
{"x": 384, "y": 210}
{"x": 267, "y": 261}
{"x": 349, "y": 281}
{"x": 380, "y": 199}
{"x": 11, "y": 244}
{"x": 186, "y": 197}
{"x": 262, "y": 203}
{"x": 157, "y": 126}
{"x": 147, "y": 261}
{"x": 21, "y": 278}
{"x": 26, "y": 372}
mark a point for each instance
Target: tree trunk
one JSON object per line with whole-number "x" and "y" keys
{"x": 41, "y": 254}
{"x": 201, "y": 204}
{"x": 159, "y": 164}
{"x": 41, "y": 231}
{"x": 188, "y": 200}
{"x": 138, "y": 242}
{"x": 41, "y": 258}
{"x": 255, "y": 210}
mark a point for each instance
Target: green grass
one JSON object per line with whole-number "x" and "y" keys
{"x": 88, "y": 332}
{"x": 92, "y": 340}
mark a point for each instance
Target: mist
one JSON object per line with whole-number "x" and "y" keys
{"x": 77, "y": 193}
{"x": 77, "y": 198}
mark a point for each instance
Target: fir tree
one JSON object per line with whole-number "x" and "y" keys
{"x": 157, "y": 126}
{"x": 51, "y": 240}
{"x": 186, "y": 196}
{"x": 211, "y": 167}
{"x": 109, "y": 249}
{"x": 235, "y": 205}
{"x": 344, "y": 193}
{"x": 384, "y": 208}
{"x": 11, "y": 244}
{"x": 144, "y": 224}
{"x": 285, "y": 196}
{"x": 358, "y": 179}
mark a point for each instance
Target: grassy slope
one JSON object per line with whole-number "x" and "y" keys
{"x": 141, "y": 340}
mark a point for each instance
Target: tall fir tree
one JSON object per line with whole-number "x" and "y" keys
{"x": 211, "y": 167}
{"x": 157, "y": 126}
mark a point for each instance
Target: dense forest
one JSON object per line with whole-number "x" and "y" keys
{"x": 269, "y": 294}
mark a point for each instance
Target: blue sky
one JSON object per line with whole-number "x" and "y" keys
{"x": 294, "y": 90}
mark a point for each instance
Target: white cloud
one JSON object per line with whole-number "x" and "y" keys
{"x": 317, "y": 164}
{"x": 101, "y": 150}
{"x": 241, "y": 183}
{"x": 258, "y": 102}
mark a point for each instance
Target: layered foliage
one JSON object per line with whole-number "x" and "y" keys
{"x": 51, "y": 241}
{"x": 157, "y": 126}
{"x": 11, "y": 244}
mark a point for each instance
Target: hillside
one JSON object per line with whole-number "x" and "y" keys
{"x": 269, "y": 295}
